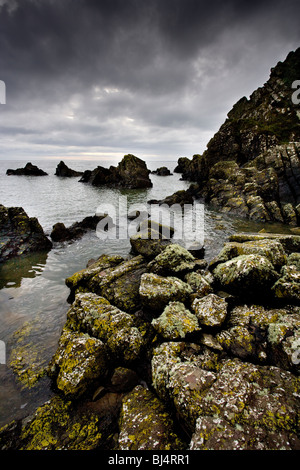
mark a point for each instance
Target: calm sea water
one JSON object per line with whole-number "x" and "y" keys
{"x": 33, "y": 295}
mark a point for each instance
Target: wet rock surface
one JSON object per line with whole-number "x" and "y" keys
{"x": 179, "y": 362}
{"x": 20, "y": 234}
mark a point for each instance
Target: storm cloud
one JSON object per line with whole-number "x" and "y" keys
{"x": 88, "y": 78}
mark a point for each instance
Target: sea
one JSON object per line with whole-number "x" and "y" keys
{"x": 33, "y": 293}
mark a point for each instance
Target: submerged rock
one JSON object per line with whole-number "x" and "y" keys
{"x": 61, "y": 233}
{"x": 20, "y": 234}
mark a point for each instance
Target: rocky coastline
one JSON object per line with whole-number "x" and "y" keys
{"x": 177, "y": 353}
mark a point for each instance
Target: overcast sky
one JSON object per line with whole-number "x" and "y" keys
{"x": 156, "y": 78}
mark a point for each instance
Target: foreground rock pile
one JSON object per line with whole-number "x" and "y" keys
{"x": 173, "y": 353}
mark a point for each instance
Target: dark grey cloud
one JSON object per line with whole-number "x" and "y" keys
{"x": 153, "y": 77}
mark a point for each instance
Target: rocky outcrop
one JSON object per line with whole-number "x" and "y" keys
{"x": 28, "y": 170}
{"x": 61, "y": 233}
{"x": 63, "y": 170}
{"x": 20, "y": 234}
{"x": 162, "y": 171}
{"x": 130, "y": 173}
{"x": 251, "y": 166}
{"x": 192, "y": 362}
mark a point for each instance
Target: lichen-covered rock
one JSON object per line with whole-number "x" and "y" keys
{"x": 117, "y": 281}
{"x": 176, "y": 322}
{"x": 145, "y": 424}
{"x": 80, "y": 279}
{"x": 20, "y": 234}
{"x": 287, "y": 287}
{"x": 247, "y": 275}
{"x": 172, "y": 261}
{"x": 263, "y": 398}
{"x": 157, "y": 291}
{"x": 200, "y": 285}
{"x": 124, "y": 335}
{"x": 210, "y": 310}
{"x": 57, "y": 425}
{"x": 265, "y": 336}
{"x": 270, "y": 249}
{"x": 148, "y": 243}
{"x": 78, "y": 363}
{"x": 289, "y": 242}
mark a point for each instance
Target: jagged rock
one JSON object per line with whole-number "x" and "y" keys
{"x": 20, "y": 234}
{"x": 251, "y": 166}
{"x": 145, "y": 424}
{"x": 130, "y": 173}
{"x": 28, "y": 170}
{"x": 63, "y": 170}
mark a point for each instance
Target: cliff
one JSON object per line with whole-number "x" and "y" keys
{"x": 251, "y": 165}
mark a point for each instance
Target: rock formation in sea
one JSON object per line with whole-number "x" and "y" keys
{"x": 63, "y": 170}
{"x": 20, "y": 234}
{"x": 61, "y": 233}
{"x": 28, "y": 170}
{"x": 162, "y": 171}
{"x": 251, "y": 167}
{"x": 131, "y": 173}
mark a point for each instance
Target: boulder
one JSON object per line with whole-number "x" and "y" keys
{"x": 145, "y": 424}
{"x": 112, "y": 277}
{"x": 248, "y": 276}
{"x": 157, "y": 291}
{"x": 20, "y": 234}
{"x": 28, "y": 170}
{"x": 79, "y": 362}
{"x": 210, "y": 310}
{"x": 176, "y": 322}
{"x": 173, "y": 260}
{"x": 64, "y": 171}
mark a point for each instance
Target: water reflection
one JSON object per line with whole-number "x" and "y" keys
{"x": 14, "y": 270}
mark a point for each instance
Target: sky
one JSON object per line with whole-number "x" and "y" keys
{"x": 98, "y": 79}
